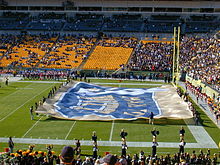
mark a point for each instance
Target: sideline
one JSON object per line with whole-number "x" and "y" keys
{"x": 107, "y": 143}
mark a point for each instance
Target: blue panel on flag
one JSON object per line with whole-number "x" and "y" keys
{"x": 117, "y": 103}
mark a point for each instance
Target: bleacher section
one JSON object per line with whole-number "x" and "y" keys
{"x": 47, "y": 22}
{"x": 202, "y": 24}
{"x": 162, "y": 23}
{"x": 124, "y": 23}
{"x": 68, "y": 52}
{"x": 111, "y": 54}
{"x": 152, "y": 56}
{"x": 84, "y": 22}
{"x": 14, "y": 21}
{"x": 45, "y": 51}
{"x": 27, "y": 52}
{"x": 115, "y": 23}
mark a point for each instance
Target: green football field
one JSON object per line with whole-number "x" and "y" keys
{"x": 15, "y": 121}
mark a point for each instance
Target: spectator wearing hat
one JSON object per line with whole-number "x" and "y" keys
{"x": 87, "y": 161}
{"x": 67, "y": 155}
{"x": 109, "y": 160}
{"x": 123, "y": 160}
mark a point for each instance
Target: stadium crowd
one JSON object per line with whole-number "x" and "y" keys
{"x": 68, "y": 155}
{"x": 151, "y": 56}
{"x": 199, "y": 57}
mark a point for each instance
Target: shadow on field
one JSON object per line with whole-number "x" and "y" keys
{"x": 161, "y": 122}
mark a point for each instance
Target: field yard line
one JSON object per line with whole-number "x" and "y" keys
{"x": 200, "y": 134}
{"x": 43, "y": 82}
{"x": 24, "y": 104}
{"x": 14, "y": 92}
{"x": 127, "y": 84}
{"x": 70, "y": 130}
{"x": 113, "y": 123}
{"x": 31, "y": 128}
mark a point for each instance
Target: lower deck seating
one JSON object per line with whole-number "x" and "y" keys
{"x": 108, "y": 58}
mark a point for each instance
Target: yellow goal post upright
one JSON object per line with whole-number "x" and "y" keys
{"x": 176, "y": 52}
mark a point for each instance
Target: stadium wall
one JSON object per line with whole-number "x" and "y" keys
{"x": 114, "y": 6}
{"x": 118, "y": 3}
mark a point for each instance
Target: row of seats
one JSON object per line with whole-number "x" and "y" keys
{"x": 124, "y": 23}
{"x": 68, "y": 53}
{"x": 27, "y": 53}
{"x": 111, "y": 53}
{"x": 46, "y": 52}
{"x": 108, "y": 58}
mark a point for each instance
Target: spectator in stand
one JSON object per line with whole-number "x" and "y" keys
{"x": 67, "y": 155}
{"x": 151, "y": 56}
{"x": 199, "y": 57}
{"x": 109, "y": 160}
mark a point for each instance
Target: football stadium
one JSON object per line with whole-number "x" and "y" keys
{"x": 110, "y": 82}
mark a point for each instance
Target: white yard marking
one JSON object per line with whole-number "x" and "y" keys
{"x": 70, "y": 130}
{"x": 113, "y": 123}
{"x": 31, "y": 127}
{"x": 23, "y": 104}
{"x": 200, "y": 134}
{"x": 3, "y": 98}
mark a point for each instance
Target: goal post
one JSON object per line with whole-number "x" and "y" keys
{"x": 176, "y": 52}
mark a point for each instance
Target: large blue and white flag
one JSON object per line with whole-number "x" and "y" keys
{"x": 93, "y": 102}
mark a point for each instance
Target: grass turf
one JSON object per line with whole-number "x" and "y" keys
{"x": 16, "y": 99}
